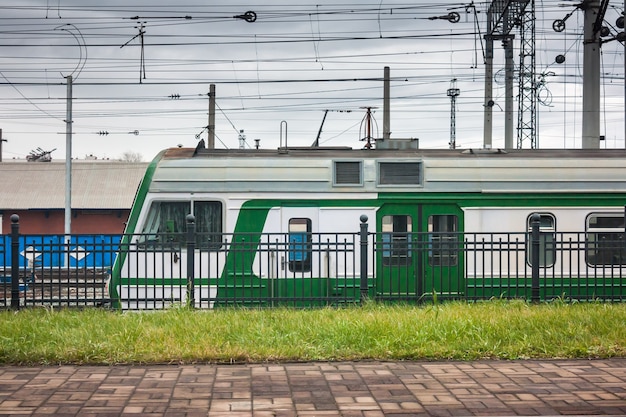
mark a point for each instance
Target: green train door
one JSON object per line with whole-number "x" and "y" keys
{"x": 417, "y": 250}
{"x": 442, "y": 258}
{"x": 396, "y": 264}
{"x": 300, "y": 277}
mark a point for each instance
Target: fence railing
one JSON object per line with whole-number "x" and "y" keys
{"x": 55, "y": 270}
{"x": 307, "y": 269}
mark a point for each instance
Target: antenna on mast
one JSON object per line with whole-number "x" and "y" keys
{"x": 368, "y": 119}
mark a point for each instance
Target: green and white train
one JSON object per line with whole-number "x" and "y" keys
{"x": 283, "y": 225}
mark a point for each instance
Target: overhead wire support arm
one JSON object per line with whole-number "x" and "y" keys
{"x": 452, "y": 17}
{"x": 142, "y": 60}
{"x": 248, "y": 16}
{"x": 187, "y": 17}
{"x": 503, "y": 15}
{"x": 597, "y": 25}
{"x": 455, "y": 17}
{"x": 559, "y": 24}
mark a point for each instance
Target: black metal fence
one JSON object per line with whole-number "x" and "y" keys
{"x": 56, "y": 271}
{"x": 308, "y": 269}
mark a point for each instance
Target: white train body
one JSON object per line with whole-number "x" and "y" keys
{"x": 284, "y": 225}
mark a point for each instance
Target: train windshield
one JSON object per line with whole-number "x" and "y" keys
{"x": 166, "y": 222}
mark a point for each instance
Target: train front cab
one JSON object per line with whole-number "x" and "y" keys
{"x": 419, "y": 252}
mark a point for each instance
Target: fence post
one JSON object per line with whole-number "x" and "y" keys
{"x": 15, "y": 262}
{"x": 363, "y": 234}
{"x": 535, "y": 247}
{"x": 191, "y": 251}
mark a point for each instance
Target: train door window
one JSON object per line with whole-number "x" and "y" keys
{"x": 443, "y": 238}
{"x": 605, "y": 239}
{"x": 547, "y": 240}
{"x": 166, "y": 222}
{"x": 396, "y": 237}
{"x": 300, "y": 248}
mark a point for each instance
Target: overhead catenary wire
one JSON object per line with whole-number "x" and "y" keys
{"x": 105, "y": 30}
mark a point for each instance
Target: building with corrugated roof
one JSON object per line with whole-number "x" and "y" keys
{"x": 102, "y": 195}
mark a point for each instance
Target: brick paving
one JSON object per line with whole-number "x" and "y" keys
{"x": 350, "y": 389}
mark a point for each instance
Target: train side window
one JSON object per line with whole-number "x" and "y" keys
{"x": 443, "y": 240}
{"x": 547, "y": 240}
{"x": 605, "y": 239}
{"x": 300, "y": 247}
{"x": 166, "y": 223}
{"x": 396, "y": 237}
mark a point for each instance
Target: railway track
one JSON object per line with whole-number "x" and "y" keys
{"x": 59, "y": 288}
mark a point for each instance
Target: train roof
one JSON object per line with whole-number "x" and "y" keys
{"x": 339, "y": 152}
{"x": 371, "y": 171}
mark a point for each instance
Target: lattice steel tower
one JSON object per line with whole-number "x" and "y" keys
{"x": 527, "y": 101}
{"x": 502, "y": 17}
{"x": 453, "y": 93}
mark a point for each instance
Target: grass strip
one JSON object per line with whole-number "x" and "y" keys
{"x": 451, "y": 331}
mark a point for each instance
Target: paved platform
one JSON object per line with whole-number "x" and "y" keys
{"x": 368, "y": 389}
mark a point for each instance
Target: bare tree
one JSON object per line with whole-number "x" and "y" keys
{"x": 131, "y": 156}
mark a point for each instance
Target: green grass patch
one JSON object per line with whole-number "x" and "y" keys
{"x": 449, "y": 331}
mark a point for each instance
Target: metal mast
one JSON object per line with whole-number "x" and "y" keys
{"x": 242, "y": 140}
{"x": 453, "y": 93}
{"x": 68, "y": 162}
{"x": 211, "y": 126}
{"x": 527, "y": 104}
{"x": 594, "y": 16}
{"x": 593, "y": 30}
{"x": 502, "y": 16}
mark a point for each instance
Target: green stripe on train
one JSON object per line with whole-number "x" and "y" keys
{"x": 238, "y": 276}
{"x": 131, "y": 225}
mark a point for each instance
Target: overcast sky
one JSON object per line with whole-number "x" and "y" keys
{"x": 286, "y": 69}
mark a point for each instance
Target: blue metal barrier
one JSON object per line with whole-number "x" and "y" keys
{"x": 48, "y": 251}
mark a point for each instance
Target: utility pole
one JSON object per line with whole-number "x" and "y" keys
{"x": 211, "y": 127}
{"x": 386, "y": 105}
{"x": 453, "y": 93}
{"x": 594, "y": 11}
{"x": 68, "y": 162}
{"x": 488, "y": 110}
{"x": 509, "y": 67}
{"x": 591, "y": 76}
{"x": 1, "y": 140}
